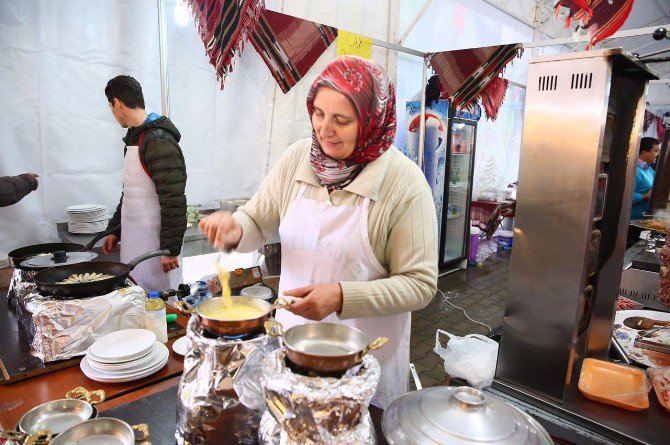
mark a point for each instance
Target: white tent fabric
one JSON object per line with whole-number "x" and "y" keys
{"x": 55, "y": 60}
{"x": 462, "y": 24}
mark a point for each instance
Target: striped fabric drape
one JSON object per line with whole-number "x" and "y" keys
{"x": 602, "y": 18}
{"x": 290, "y": 46}
{"x": 224, "y": 25}
{"x": 468, "y": 74}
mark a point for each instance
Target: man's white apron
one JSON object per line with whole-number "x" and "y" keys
{"x": 141, "y": 225}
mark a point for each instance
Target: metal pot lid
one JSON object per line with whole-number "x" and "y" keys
{"x": 456, "y": 416}
{"x": 60, "y": 258}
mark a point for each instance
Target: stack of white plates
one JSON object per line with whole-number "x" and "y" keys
{"x": 87, "y": 218}
{"x": 123, "y": 356}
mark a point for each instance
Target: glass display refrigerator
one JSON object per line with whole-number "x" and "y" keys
{"x": 455, "y": 222}
{"x": 448, "y": 156}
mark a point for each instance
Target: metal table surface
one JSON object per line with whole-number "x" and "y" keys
{"x": 583, "y": 421}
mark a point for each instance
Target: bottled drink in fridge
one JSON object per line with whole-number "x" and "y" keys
{"x": 155, "y": 316}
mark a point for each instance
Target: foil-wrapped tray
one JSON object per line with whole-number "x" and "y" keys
{"x": 62, "y": 329}
{"x": 320, "y": 410}
{"x": 220, "y": 399}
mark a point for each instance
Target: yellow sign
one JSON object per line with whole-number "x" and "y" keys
{"x": 350, "y": 44}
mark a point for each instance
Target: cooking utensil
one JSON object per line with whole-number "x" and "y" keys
{"x": 56, "y": 416}
{"x": 648, "y": 333}
{"x": 46, "y": 280}
{"x": 415, "y": 376}
{"x": 643, "y": 323}
{"x": 620, "y": 350}
{"x": 324, "y": 347}
{"x": 80, "y": 393}
{"x": 627, "y": 336}
{"x": 458, "y": 416}
{"x": 233, "y": 327}
{"x": 58, "y": 258}
{"x": 17, "y": 256}
{"x": 97, "y": 431}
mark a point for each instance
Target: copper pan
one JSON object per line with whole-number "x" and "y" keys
{"x": 233, "y": 327}
{"x": 327, "y": 348}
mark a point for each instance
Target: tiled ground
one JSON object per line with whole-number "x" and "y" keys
{"x": 481, "y": 291}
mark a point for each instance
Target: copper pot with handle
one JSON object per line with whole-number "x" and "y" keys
{"x": 327, "y": 348}
{"x": 224, "y": 326}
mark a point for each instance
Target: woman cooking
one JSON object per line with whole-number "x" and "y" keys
{"x": 355, "y": 217}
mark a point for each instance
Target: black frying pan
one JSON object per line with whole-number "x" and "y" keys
{"x": 17, "y": 256}
{"x": 46, "y": 280}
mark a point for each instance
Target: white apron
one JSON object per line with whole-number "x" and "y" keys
{"x": 322, "y": 243}
{"x": 141, "y": 225}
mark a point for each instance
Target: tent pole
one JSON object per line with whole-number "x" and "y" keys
{"x": 416, "y": 19}
{"x": 422, "y": 121}
{"x": 585, "y": 38}
{"x": 392, "y": 56}
{"x": 162, "y": 50}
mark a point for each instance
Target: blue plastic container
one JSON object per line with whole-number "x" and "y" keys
{"x": 505, "y": 239}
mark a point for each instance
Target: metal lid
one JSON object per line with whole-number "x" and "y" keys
{"x": 60, "y": 258}
{"x": 456, "y": 416}
{"x": 257, "y": 291}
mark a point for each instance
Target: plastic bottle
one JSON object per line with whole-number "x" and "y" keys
{"x": 200, "y": 293}
{"x": 204, "y": 293}
{"x": 155, "y": 316}
{"x": 474, "y": 245}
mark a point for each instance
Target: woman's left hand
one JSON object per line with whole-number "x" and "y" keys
{"x": 315, "y": 302}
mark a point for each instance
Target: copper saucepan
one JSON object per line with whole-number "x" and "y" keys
{"x": 327, "y": 348}
{"x": 233, "y": 327}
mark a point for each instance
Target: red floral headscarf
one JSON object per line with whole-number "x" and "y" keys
{"x": 372, "y": 95}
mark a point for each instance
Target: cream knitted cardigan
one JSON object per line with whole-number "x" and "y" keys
{"x": 402, "y": 226}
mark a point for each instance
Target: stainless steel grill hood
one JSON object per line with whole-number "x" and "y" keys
{"x": 582, "y": 125}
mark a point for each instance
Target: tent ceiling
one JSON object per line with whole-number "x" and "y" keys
{"x": 645, "y": 13}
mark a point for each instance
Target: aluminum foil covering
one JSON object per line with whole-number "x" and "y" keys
{"x": 62, "y": 329}
{"x": 320, "y": 410}
{"x": 19, "y": 276}
{"x": 270, "y": 433}
{"x": 220, "y": 399}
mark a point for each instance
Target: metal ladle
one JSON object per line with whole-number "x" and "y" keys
{"x": 642, "y": 323}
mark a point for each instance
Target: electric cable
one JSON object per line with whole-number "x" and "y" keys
{"x": 444, "y": 297}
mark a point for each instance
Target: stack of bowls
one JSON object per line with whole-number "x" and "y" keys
{"x": 123, "y": 356}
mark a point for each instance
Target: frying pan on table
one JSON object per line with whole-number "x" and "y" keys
{"x": 17, "y": 256}
{"x": 46, "y": 280}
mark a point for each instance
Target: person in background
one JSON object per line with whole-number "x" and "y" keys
{"x": 644, "y": 180}
{"x": 152, "y": 210}
{"x": 14, "y": 188}
{"x": 355, "y": 217}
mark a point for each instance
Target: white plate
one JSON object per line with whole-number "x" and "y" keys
{"x": 626, "y": 337}
{"x": 123, "y": 346}
{"x": 111, "y": 378}
{"x": 179, "y": 346}
{"x": 87, "y": 226}
{"x": 85, "y": 208}
{"x": 90, "y": 222}
{"x": 155, "y": 357}
{"x": 133, "y": 365}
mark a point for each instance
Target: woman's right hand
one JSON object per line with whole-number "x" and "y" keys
{"x": 221, "y": 230}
